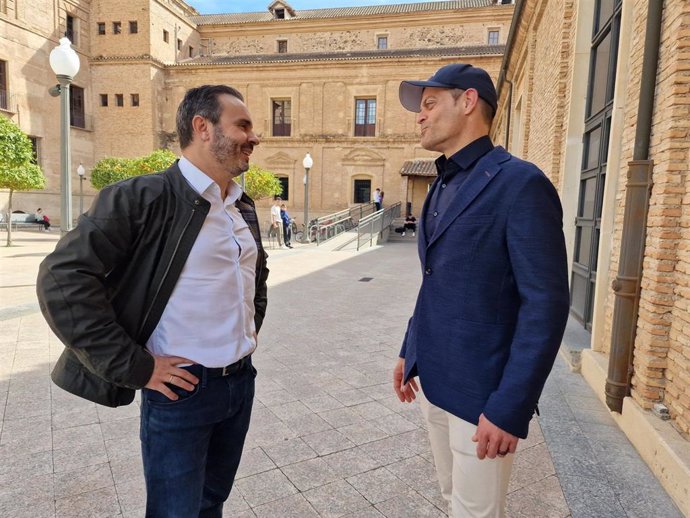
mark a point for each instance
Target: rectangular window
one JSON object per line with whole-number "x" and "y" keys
{"x": 280, "y": 14}
{"x": 282, "y": 118}
{"x": 69, "y": 29}
{"x": 382, "y": 42}
{"x": 3, "y": 85}
{"x": 282, "y": 46}
{"x": 135, "y": 99}
{"x": 35, "y": 150}
{"x": 166, "y": 36}
{"x": 362, "y": 191}
{"x": 76, "y": 107}
{"x": 285, "y": 184}
{"x": 493, "y": 37}
{"x": 179, "y": 44}
{"x": 117, "y": 27}
{"x": 104, "y": 99}
{"x": 365, "y": 117}
{"x": 101, "y": 28}
{"x": 191, "y": 51}
{"x": 133, "y": 27}
{"x": 119, "y": 100}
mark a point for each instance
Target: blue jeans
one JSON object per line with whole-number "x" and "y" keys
{"x": 192, "y": 447}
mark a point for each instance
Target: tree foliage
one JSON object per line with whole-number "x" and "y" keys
{"x": 18, "y": 172}
{"x": 113, "y": 169}
{"x": 260, "y": 183}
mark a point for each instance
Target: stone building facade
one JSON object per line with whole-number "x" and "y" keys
{"x": 570, "y": 101}
{"x": 321, "y": 81}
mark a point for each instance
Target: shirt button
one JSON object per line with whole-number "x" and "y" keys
{"x": 435, "y": 213}
{"x": 428, "y": 271}
{"x": 443, "y": 186}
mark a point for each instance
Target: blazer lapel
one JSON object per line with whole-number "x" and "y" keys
{"x": 485, "y": 170}
{"x": 421, "y": 230}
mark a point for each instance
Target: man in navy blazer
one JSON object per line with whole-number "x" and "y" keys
{"x": 494, "y": 298}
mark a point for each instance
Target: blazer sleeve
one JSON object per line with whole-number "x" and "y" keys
{"x": 537, "y": 253}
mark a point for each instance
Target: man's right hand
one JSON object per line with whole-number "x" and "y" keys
{"x": 406, "y": 392}
{"x": 165, "y": 370}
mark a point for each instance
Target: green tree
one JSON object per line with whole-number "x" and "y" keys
{"x": 18, "y": 172}
{"x": 113, "y": 169}
{"x": 260, "y": 183}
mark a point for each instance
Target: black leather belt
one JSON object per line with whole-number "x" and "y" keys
{"x": 220, "y": 372}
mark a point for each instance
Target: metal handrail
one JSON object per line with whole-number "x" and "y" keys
{"x": 376, "y": 222}
{"x": 332, "y": 225}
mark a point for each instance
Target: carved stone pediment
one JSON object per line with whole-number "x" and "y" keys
{"x": 363, "y": 157}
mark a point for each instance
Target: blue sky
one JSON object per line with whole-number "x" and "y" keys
{"x": 248, "y": 6}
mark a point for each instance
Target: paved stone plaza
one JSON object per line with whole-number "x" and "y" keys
{"x": 328, "y": 437}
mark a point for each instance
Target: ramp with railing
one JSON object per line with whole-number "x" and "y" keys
{"x": 371, "y": 227}
{"x": 332, "y": 225}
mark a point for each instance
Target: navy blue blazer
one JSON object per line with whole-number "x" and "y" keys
{"x": 494, "y": 299}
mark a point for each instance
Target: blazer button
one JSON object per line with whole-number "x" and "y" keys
{"x": 196, "y": 202}
{"x": 428, "y": 271}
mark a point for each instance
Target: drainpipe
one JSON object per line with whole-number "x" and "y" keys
{"x": 509, "y": 111}
{"x": 638, "y": 190}
{"x": 514, "y": 25}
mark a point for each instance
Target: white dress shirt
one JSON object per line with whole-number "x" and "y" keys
{"x": 209, "y": 318}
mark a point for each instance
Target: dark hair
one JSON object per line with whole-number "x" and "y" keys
{"x": 202, "y": 101}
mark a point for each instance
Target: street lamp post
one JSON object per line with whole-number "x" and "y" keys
{"x": 65, "y": 64}
{"x": 81, "y": 172}
{"x": 307, "y": 163}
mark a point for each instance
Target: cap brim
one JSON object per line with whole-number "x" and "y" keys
{"x": 410, "y": 93}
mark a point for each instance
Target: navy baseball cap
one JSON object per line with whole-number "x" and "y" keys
{"x": 457, "y": 75}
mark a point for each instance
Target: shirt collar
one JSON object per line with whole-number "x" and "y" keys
{"x": 465, "y": 158}
{"x": 201, "y": 182}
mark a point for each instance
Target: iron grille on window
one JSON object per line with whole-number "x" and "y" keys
{"x": 282, "y": 118}
{"x": 76, "y": 107}
{"x": 365, "y": 117}
{"x": 362, "y": 191}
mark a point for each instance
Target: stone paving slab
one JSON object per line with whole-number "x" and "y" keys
{"x": 328, "y": 438}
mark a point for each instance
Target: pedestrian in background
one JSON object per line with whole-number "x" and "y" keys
{"x": 162, "y": 287}
{"x": 494, "y": 298}
{"x": 287, "y": 225}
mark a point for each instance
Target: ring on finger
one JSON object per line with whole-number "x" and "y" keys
{"x": 171, "y": 378}
{"x": 502, "y": 453}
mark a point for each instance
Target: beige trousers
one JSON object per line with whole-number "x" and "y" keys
{"x": 473, "y": 488}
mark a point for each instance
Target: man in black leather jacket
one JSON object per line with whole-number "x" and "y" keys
{"x": 162, "y": 287}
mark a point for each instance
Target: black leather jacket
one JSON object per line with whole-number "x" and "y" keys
{"x": 104, "y": 288}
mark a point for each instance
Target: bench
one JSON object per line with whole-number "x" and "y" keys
{"x": 20, "y": 220}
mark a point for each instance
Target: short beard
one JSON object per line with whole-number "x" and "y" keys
{"x": 224, "y": 150}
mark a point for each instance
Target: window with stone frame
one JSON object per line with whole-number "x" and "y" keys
{"x": 101, "y": 28}
{"x": 119, "y": 100}
{"x": 104, "y": 100}
{"x": 493, "y": 36}
{"x": 133, "y": 27}
{"x": 134, "y": 99}
{"x": 282, "y": 117}
{"x": 166, "y": 36}
{"x": 4, "y": 90}
{"x": 282, "y": 46}
{"x": 70, "y": 29}
{"x": 77, "y": 115}
{"x": 365, "y": 117}
{"x": 382, "y": 42}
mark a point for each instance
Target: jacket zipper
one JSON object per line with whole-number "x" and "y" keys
{"x": 165, "y": 274}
